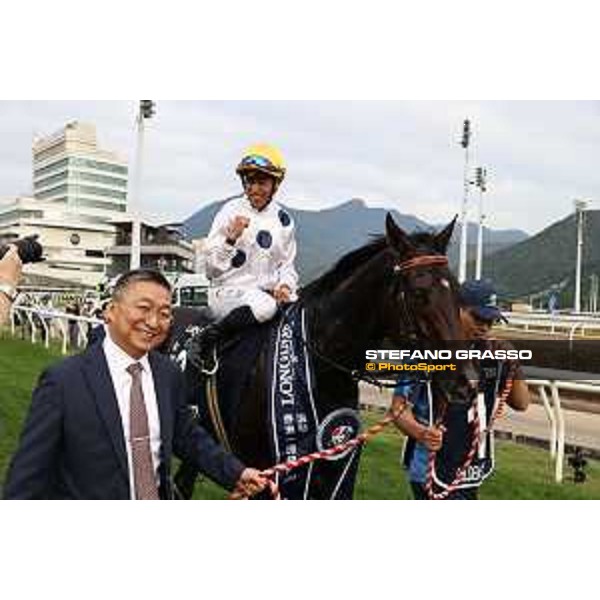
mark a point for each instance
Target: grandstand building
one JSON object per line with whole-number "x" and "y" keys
{"x": 79, "y": 193}
{"x": 163, "y": 247}
{"x": 74, "y": 244}
{"x": 72, "y": 172}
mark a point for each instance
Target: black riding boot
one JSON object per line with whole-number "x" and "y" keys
{"x": 236, "y": 321}
{"x": 184, "y": 481}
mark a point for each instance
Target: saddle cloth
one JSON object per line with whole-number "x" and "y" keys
{"x": 280, "y": 349}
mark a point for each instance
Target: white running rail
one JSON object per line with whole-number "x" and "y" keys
{"x": 548, "y": 324}
{"x": 72, "y": 330}
{"x": 555, "y": 414}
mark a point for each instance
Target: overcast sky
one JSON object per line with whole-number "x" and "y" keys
{"x": 540, "y": 156}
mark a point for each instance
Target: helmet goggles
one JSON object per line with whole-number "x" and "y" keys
{"x": 258, "y": 161}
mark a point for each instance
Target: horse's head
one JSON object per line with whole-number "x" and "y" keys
{"x": 423, "y": 303}
{"x": 421, "y": 300}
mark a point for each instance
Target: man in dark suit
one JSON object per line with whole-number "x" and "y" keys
{"x": 104, "y": 424}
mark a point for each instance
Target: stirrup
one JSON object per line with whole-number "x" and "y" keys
{"x": 203, "y": 358}
{"x": 215, "y": 362}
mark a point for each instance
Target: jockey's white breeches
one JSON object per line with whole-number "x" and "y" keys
{"x": 222, "y": 300}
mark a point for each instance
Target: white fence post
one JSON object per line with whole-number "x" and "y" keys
{"x": 551, "y": 418}
{"x": 60, "y": 320}
{"x": 560, "y": 439}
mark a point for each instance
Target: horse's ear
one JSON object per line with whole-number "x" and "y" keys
{"x": 396, "y": 237}
{"x": 442, "y": 239}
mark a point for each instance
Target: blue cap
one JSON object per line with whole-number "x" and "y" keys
{"x": 480, "y": 297}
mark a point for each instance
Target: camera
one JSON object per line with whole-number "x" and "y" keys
{"x": 29, "y": 249}
{"x": 578, "y": 463}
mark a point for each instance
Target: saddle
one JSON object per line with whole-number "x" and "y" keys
{"x": 231, "y": 361}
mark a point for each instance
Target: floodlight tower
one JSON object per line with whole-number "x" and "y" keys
{"x": 462, "y": 261}
{"x": 481, "y": 182}
{"x": 580, "y": 206}
{"x": 147, "y": 110}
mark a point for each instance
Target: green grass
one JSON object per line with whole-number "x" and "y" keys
{"x": 522, "y": 472}
{"x": 21, "y": 363}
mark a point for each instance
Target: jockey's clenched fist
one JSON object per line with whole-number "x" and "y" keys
{"x": 236, "y": 227}
{"x": 282, "y": 293}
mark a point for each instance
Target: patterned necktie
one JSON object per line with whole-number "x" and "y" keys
{"x": 143, "y": 471}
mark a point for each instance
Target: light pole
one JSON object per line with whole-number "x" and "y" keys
{"x": 481, "y": 182}
{"x": 462, "y": 261}
{"x": 593, "y": 294}
{"x": 580, "y": 206}
{"x": 147, "y": 110}
{"x": 104, "y": 265}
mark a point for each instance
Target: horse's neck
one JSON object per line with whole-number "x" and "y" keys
{"x": 349, "y": 319}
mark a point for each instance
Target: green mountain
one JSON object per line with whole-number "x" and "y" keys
{"x": 325, "y": 235}
{"x": 547, "y": 260}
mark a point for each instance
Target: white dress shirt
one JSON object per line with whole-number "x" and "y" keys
{"x": 118, "y": 361}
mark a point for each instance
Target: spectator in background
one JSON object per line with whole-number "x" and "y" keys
{"x": 73, "y": 309}
{"x": 10, "y": 274}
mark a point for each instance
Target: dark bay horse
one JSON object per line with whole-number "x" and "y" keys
{"x": 397, "y": 287}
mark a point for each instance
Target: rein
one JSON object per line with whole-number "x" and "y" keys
{"x": 425, "y": 260}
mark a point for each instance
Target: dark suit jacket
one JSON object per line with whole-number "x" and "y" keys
{"x": 72, "y": 445}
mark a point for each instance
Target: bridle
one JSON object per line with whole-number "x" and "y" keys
{"x": 408, "y": 321}
{"x": 406, "y": 314}
{"x": 424, "y": 260}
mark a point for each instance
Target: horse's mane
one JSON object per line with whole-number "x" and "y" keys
{"x": 354, "y": 259}
{"x": 346, "y": 266}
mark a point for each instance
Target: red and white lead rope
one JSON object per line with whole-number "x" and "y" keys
{"x": 475, "y": 440}
{"x": 362, "y": 438}
{"x": 314, "y": 456}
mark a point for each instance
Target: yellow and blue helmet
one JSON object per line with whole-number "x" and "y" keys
{"x": 264, "y": 158}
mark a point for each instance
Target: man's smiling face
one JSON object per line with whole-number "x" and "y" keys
{"x": 139, "y": 318}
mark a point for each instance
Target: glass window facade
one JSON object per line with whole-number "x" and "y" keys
{"x": 52, "y": 167}
{"x": 97, "y": 191}
{"x": 60, "y": 189}
{"x": 81, "y": 162}
{"x": 99, "y": 204}
{"x": 81, "y": 190}
{"x": 93, "y": 177}
{"x": 12, "y": 215}
{"x": 98, "y": 165}
{"x": 50, "y": 180}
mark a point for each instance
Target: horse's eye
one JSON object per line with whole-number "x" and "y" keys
{"x": 421, "y": 296}
{"x": 423, "y": 280}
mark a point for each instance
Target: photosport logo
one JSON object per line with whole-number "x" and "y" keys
{"x": 436, "y": 359}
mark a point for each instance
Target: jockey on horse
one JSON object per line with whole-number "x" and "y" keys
{"x": 250, "y": 252}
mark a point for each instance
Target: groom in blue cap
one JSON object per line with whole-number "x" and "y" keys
{"x": 452, "y": 438}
